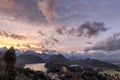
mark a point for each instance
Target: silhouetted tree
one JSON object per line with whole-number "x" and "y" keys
{"x": 10, "y": 60}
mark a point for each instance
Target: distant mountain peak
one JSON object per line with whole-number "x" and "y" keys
{"x": 3, "y": 49}
{"x": 29, "y": 52}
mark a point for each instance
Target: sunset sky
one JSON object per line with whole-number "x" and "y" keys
{"x": 62, "y": 25}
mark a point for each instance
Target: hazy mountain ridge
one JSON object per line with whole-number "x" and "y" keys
{"x": 45, "y": 54}
{"x": 28, "y": 59}
{"x": 94, "y": 63}
{"x": 31, "y": 57}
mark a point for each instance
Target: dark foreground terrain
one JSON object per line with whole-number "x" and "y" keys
{"x": 72, "y": 73}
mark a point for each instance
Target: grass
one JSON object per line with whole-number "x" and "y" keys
{"x": 112, "y": 72}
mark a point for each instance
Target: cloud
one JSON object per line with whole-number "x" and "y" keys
{"x": 49, "y": 42}
{"x": 87, "y": 29}
{"x": 15, "y": 36}
{"x": 4, "y": 34}
{"x": 89, "y": 42}
{"x": 91, "y": 29}
{"x": 109, "y": 44}
{"x": 41, "y": 33}
{"x": 12, "y": 35}
{"x": 27, "y": 45}
{"x": 21, "y": 10}
{"x": 48, "y": 9}
{"x": 54, "y": 39}
{"x": 18, "y": 45}
{"x": 61, "y": 30}
{"x": 29, "y": 11}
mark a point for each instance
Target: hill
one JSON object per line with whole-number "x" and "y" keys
{"x": 95, "y": 64}
{"x": 28, "y": 59}
{"x": 55, "y": 62}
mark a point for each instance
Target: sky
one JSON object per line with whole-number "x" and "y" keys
{"x": 61, "y": 25}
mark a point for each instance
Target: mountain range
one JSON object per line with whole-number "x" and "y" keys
{"x": 45, "y": 54}
{"x": 50, "y": 56}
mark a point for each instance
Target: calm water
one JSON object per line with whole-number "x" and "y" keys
{"x": 36, "y": 67}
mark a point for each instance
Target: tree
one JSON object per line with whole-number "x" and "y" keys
{"x": 10, "y": 60}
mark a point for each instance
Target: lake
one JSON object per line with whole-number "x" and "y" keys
{"x": 36, "y": 67}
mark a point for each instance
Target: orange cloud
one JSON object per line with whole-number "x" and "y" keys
{"x": 12, "y": 35}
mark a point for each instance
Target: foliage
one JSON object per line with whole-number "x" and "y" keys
{"x": 10, "y": 60}
{"x": 30, "y": 74}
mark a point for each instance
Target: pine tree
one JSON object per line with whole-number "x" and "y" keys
{"x": 10, "y": 60}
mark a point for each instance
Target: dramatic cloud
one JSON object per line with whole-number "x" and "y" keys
{"x": 61, "y": 30}
{"x": 50, "y": 41}
{"x": 86, "y": 29}
{"x": 30, "y": 46}
{"x": 48, "y": 9}
{"x": 21, "y": 10}
{"x": 32, "y": 10}
{"x": 110, "y": 44}
{"x": 12, "y": 35}
{"x": 33, "y": 17}
{"x": 92, "y": 29}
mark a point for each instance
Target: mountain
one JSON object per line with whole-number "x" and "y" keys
{"x": 1, "y": 55}
{"x": 51, "y": 56}
{"x": 95, "y": 64}
{"x": 58, "y": 57}
{"x": 44, "y": 55}
{"x": 115, "y": 63}
{"x": 3, "y": 49}
{"x": 18, "y": 52}
{"x": 28, "y": 59}
{"x": 29, "y": 52}
{"x": 50, "y": 51}
{"x": 55, "y": 62}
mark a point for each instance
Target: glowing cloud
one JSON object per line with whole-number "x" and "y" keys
{"x": 12, "y": 35}
{"x": 47, "y": 7}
